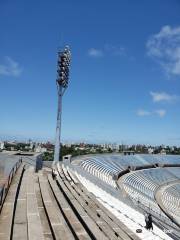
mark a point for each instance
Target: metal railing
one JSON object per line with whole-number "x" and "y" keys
{"x": 157, "y": 213}
{"x": 5, "y": 187}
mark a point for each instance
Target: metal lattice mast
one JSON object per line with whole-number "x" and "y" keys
{"x": 63, "y": 64}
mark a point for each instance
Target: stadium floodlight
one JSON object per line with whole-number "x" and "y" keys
{"x": 63, "y": 64}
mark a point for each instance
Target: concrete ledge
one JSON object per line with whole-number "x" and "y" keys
{"x": 7, "y": 213}
{"x": 35, "y": 231}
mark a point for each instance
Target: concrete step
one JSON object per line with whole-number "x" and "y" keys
{"x": 59, "y": 228}
{"x": 7, "y": 213}
{"x": 96, "y": 230}
{"x": 108, "y": 231}
{"x": 20, "y": 229}
{"x": 115, "y": 223}
{"x": 68, "y": 212}
{"x": 35, "y": 231}
{"x": 104, "y": 213}
{"x": 44, "y": 220}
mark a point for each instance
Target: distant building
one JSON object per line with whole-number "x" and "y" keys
{"x": 1, "y": 145}
{"x": 43, "y": 149}
{"x": 127, "y": 152}
{"x": 163, "y": 151}
{"x": 150, "y": 150}
{"x": 40, "y": 149}
{"x": 93, "y": 150}
{"x": 67, "y": 144}
{"x": 31, "y": 145}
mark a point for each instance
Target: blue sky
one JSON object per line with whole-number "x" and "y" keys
{"x": 125, "y": 72}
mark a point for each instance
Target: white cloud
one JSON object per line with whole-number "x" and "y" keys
{"x": 163, "y": 97}
{"x": 161, "y": 112}
{"x": 107, "y": 49}
{"x": 10, "y": 68}
{"x": 143, "y": 113}
{"x": 164, "y": 47}
{"x": 93, "y": 52}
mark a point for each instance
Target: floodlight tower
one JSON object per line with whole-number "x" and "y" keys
{"x": 63, "y": 63}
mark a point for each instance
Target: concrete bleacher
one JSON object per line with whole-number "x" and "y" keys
{"x": 168, "y": 198}
{"x": 138, "y": 181}
{"x": 159, "y": 176}
{"x": 102, "y": 212}
{"x": 55, "y": 217}
{"x": 109, "y": 224}
{"x": 126, "y": 214}
{"x": 7, "y": 212}
{"x": 20, "y": 218}
{"x": 33, "y": 217}
{"x": 101, "y": 169}
{"x": 141, "y": 186}
{"x": 148, "y": 189}
{"x": 147, "y": 181}
{"x": 39, "y": 207}
{"x": 171, "y": 202}
{"x": 84, "y": 219}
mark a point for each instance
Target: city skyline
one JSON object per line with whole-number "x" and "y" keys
{"x": 125, "y": 74}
